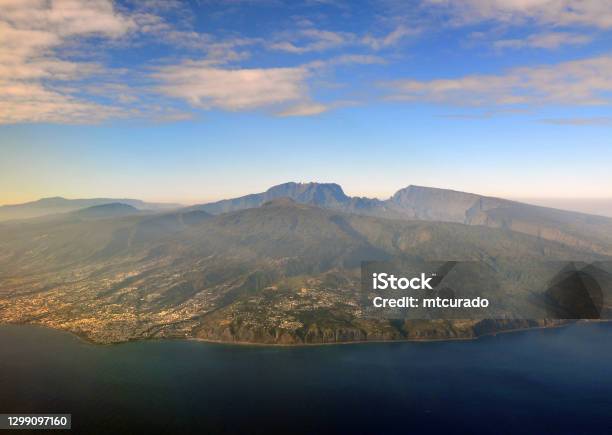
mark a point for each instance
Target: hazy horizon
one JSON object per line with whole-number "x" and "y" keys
{"x": 197, "y": 101}
{"x": 199, "y": 200}
{"x": 600, "y": 206}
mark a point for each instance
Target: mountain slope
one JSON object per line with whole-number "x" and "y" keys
{"x": 574, "y": 229}
{"x": 442, "y": 205}
{"x": 48, "y": 206}
{"x": 114, "y": 209}
{"x": 284, "y": 272}
{"x": 327, "y": 195}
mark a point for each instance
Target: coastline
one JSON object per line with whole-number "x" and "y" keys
{"x": 404, "y": 340}
{"x": 84, "y": 339}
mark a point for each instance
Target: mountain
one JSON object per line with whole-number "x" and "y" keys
{"x": 571, "y": 228}
{"x": 284, "y": 272}
{"x": 327, "y": 195}
{"x": 426, "y": 203}
{"x": 47, "y": 206}
{"x": 114, "y": 209}
{"x": 443, "y": 205}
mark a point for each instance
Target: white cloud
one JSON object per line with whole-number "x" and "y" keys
{"x": 547, "y": 40}
{"x": 592, "y": 121}
{"x": 38, "y": 83}
{"x": 317, "y": 40}
{"x": 363, "y": 59}
{"x": 206, "y": 86}
{"x": 344, "y": 59}
{"x": 304, "y": 109}
{"x": 30, "y": 33}
{"x": 311, "y": 39}
{"x": 184, "y": 37}
{"x": 579, "y": 82}
{"x": 392, "y": 38}
{"x": 32, "y": 102}
{"x": 593, "y": 13}
{"x": 64, "y": 18}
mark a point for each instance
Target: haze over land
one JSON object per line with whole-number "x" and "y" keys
{"x": 598, "y": 206}
{"x": 276, "y": 267}
{"x": 47, "y": 206}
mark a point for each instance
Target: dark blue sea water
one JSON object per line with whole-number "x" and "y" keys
{"x": 556, "y": 381}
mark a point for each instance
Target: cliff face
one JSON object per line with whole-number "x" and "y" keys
{"x": 369, "y": 331}
{"x": 359, "y": 331}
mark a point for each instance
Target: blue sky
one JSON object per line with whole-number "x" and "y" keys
{"x": 194, "y": 101}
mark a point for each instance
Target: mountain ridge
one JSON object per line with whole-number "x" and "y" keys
{"x": 315, "y": 192}
{"x": 57, "y": 204}
{"x": 283, "y": 273}
{"x": 113, "y": 209}
{"x": 441, "y": 205}
{"x": 414, "y": 202}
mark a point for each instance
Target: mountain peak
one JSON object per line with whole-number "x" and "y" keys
{"x": 311, "y": 192}
{"x": 328, "y": 195}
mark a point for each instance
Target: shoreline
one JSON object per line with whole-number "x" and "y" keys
{"x": 405, "y": 340}
{"x": 84, "y": 339}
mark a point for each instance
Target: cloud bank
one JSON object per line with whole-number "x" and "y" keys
{"x": 31, "y": 32}
{"x": 580, "y": 82}
{"x": 56, "y": 60}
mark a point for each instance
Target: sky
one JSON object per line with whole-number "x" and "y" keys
{"x": 192, "y": 101}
